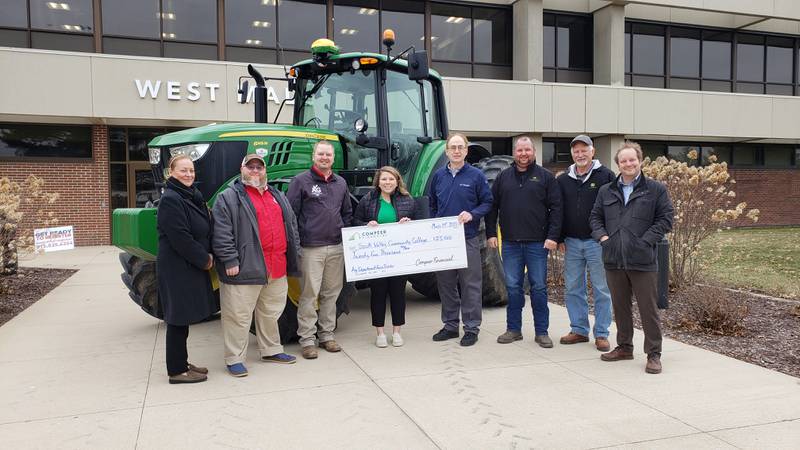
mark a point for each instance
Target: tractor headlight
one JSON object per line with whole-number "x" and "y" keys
{"x": 155, "y": 155}
{"x": 193, "y": 151}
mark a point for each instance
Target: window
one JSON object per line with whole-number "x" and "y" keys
{"x": 18, "y": 140}
{"x": 471, "y": 41}
{"x": 405, "y": 113}
{"x": 407, "y": 19}
{"x": 555, "y": 151}
{"x": 131, "y": 19}
{"x": 568, "y": 48}
{"x": 703, "y": 59}
{"x": 301, "y": 22}
{"x": 250, "y": 23}
{"x": 15, "y": 14}
{"x": 355, "y": 25}
{"x": 54, "y": 26}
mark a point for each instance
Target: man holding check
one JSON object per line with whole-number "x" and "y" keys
{"x": 458, "y": 189}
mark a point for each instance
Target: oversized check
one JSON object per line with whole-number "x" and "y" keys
{"x": 391, "y": 249}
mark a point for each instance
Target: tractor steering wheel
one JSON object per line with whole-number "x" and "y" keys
{"x": 316, "y": 120}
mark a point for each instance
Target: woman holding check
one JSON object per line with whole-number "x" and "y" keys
{"x": 388, "y": 202}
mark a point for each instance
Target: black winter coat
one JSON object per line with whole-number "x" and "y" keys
{"x": 578, "y": 200}
{"x": 184, "y": 243}
{"x": 634, "y": 229}
{"x": 367, "y": 208}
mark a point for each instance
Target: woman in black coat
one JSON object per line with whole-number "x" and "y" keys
{"x": 388, "y": 202}
{"x": 184, "y": 258}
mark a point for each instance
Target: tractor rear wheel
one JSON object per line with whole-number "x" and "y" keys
{"x": 139, "y": 277}
{"x": 494, "y": 286}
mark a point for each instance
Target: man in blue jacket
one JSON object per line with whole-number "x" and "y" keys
{"x": 458, "y": 189}
{"x": 527, "y": 201}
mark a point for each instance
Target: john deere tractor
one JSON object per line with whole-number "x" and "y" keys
{"x": 376, "y": 109}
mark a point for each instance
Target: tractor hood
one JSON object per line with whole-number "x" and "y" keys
{"x": 242, "y": 132}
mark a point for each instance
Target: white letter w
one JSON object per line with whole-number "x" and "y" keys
{"x": 148, "y": 86}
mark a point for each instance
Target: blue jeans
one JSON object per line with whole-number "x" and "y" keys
{"x": 582, "y": 256}
{"x": 516, "y": 257}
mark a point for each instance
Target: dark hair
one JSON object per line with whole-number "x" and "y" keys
{"x": 401, "y": 186}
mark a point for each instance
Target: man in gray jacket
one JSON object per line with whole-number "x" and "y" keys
{"x": 256, "y": 244}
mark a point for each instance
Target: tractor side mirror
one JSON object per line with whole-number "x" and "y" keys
{"x": 418, "y": 65}
{"x": 244, "y": 91}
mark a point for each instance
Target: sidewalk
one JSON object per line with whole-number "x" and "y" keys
{"x": 84, "y": 368}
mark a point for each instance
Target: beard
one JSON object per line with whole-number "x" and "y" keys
{"x": 256, "y": 182}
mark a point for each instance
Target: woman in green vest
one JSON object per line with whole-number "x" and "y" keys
{"x": 388, "y": 202}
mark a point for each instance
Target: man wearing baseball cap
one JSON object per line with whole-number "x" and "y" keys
{"x": 579, "y": 186}
{"x": 256, "y": 245}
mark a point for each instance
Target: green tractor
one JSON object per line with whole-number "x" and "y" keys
{"x": 376, "y": 110}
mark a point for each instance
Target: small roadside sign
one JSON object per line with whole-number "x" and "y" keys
{"x": 54, "y": 239}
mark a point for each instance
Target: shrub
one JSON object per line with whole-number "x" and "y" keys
{"x": 29, "y": 201}
{"x": 713, "y": 311}
{"x": 703, "y": 202}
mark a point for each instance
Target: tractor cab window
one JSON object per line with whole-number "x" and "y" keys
{"x": 405, "y": 111}
{"x": 334, "y": 103}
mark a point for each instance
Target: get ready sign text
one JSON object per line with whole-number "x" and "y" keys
{"x": 54, "y": 239}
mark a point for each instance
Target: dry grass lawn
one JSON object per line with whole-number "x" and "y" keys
{"x": 758, "y": 259}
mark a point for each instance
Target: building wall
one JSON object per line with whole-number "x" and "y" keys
{"x": 775, "y": 192}
{"x": 82, "y": 187}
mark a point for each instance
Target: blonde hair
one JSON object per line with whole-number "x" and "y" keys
{"x": 401, "y": 186}
{"x": 176, "y": 158}
{"x": 319, "y": 144}
{"x": 632, "y": 145}
{"x": 456, "y": 134}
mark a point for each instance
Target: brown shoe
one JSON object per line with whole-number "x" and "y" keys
{"x": 193, "y": 368}
{"x": 187, "y": 377}
{"x": 309, "y": 352}
{"x": 330, "y": 346}
{"x": 602, "y": 344}
{"x": 653, "y": 363}
{"x": 618, "y": 354}
{"x": 573, "y": 338}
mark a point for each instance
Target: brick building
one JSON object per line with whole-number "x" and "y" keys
{"x": 84, "y": 87}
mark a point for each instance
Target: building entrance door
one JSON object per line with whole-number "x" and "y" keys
{"x": 141, "y": 185}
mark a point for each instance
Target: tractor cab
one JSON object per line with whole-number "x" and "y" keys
{"x": 383, "y": 109}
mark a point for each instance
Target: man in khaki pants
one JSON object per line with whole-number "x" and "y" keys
{"x": 321, "y": 201}
{"x": 256, "y": 244}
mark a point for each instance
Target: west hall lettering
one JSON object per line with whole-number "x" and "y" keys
{"x": 194, "y": 91}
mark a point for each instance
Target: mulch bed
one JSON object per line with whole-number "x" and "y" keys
{"x": 19, "y": 291}
{"x": 769, "y": 335}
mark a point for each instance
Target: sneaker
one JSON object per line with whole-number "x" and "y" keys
{"x": 544, "y": 341}
{"x": 380, "y": 341}
{"x": 193, "y": 368}
{"x": 653, "y": 363}
{"x": 330, "y": 346}
{"x": 237, "y": 370}
{"x": 397, "y": 340}
{"x": 573, "y": 338}
{"x": 309, "y": 352}
{"x": 509, "y": 337}
{"x": 469, "y": 339}
{"x": 280, "y": 358}
{"x": 618, "y": 354}
{"x": 602, "y": 344}
{"x": 445, "y": 334}
{"x": 188, "y": 377}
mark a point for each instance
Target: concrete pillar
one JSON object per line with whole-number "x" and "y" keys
{"x": 609, "y": 45}
{"x": 528, "y": 33}
{"x": 605, "y": 147}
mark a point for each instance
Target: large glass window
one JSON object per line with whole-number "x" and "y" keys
{"x": 471, "y": 41}
{"x": 736, "y": 155}
{"x": 647, "y": 55}
{"x": 74, "y": 16}
{"x": 250, "y": 23}
{"x": 19, "y": 140}
{"x": 355, "y": 25}
{"x": 750, "y": 58}
{"x": 189, "y": 20}
{"x": 15, "y": 14}
{"x": 568, "y": 48}
{"x": 135, "y": 19}
{"x": 301, "y": 22}
{"x": 407, "y": 19}
{"x": 684, "y": 52}
{"x": 716, "y": 62}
